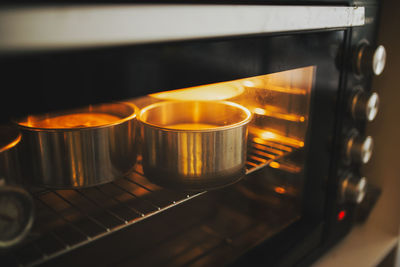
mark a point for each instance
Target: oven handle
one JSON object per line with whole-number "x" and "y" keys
{"x": 76, "y": 26}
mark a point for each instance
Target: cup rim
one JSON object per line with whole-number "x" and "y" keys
{"x": 134, "y": 113}
{"x": 243, "y": 122}
{"x": 13, "y": 142}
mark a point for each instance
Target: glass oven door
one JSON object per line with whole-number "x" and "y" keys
{"x": 274, "y": 215}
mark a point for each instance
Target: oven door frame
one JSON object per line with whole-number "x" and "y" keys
{"x": 142, "y": 69}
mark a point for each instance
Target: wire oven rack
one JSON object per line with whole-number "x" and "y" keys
{"x": 68, "y": 219}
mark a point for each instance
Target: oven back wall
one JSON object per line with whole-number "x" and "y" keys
{"x": 34, "y": 83}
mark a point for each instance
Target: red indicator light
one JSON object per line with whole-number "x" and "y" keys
{"x": 341, "y": 215}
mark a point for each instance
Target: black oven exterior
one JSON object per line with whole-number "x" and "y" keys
{"x": 64, "y": 79}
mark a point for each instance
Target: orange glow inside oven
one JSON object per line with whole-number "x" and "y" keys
{"x": 280, "y": 190}
{"x": 212, "y": 92}
{"x": 90, "y": 116}
{"x": 274, "y": 165}
{"x": 72, "y": 120}
{"x": 279, "y": 102}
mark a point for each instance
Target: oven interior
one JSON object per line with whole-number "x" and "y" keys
{"x": 173, "y": 227}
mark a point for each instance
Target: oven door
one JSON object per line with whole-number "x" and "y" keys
{"x": 275, "y": 214}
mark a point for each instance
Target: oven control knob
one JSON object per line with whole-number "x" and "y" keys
{"x": 353, "y": 189}
{"x": 370, "y": 60}
{"x": 359, "y": 149}
{"x": 364, "y": 106}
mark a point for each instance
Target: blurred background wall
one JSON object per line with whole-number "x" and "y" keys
{"x": 384, "y": 167}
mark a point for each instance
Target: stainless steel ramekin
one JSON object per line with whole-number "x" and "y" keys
{"x": 194, "y": 145}
{"x": 79, "y": 155}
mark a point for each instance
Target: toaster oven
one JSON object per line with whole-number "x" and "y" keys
{"x": 121, "y": 124}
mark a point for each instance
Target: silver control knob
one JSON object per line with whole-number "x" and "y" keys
{"x": 364, "y": 106}
{"x": 370, "y": 60}
{"x": 353, "y": 189}
{"x": 359, "y": 149}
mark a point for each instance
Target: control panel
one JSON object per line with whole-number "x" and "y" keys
{"x": 368, "y": 60}
{"x": 363, "y": 105}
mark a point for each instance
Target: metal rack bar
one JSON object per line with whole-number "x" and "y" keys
{"x": 120, "y": 202}
{"x": 261, "y": 155}
{"x": 132, "y": 194}
{"x": 101, "y": 207}
{"x": 83, "y": 212}
{"x": 133, "y": 182}
{"x": 62, "y": 218}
